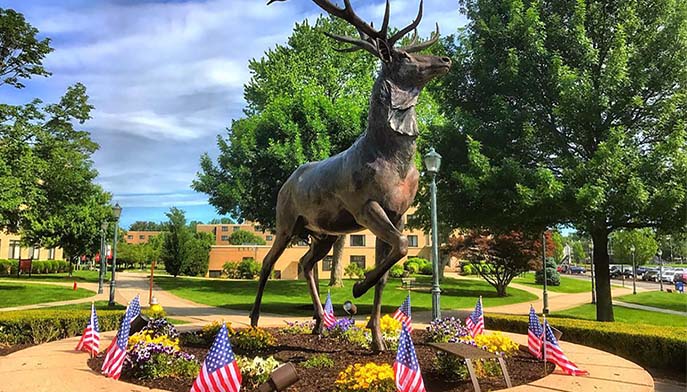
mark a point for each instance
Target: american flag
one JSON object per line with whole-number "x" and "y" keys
{"x": 406, "y": 367}
{"x": 534, "y": 334}
{"x": 329, "y": 318}
{"x": 554, "y": 354}
{"x": 116, "y": 353}
{"x": 134, "y": 307}
{"x": 402, "y": 314}
{"x": 220, "y": 373}
{"x": 475, "y": 321}
{"x": 90, "y": 339}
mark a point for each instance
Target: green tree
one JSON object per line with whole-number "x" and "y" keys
{"x": 146, "y": 226}
{"x": 197, "y": 250}
{"x": 567, "y": 112}
{"x": 644, "y": 241}
{"x": 559, "y": 244}
{"x": 579, "y": 254}
{"x": 21, "y": 53}
{"x": 47, "y": 192}
{"x": 173, "y": 252}
{"x": 243, "y": 237}
{"x": 224, "y": 221}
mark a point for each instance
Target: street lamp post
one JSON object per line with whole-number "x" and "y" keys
{"x": 101, "y": 275}
{"x": 660, "y": 269}
{"x": 546, "y": 294}
{"x": 432, "y": 163}
{"x": 116, "y": 213}
{"x": 634, "y": 270}
{"x": 591, "y": 255}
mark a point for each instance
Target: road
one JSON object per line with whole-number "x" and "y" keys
{"x": 628, "y": 282}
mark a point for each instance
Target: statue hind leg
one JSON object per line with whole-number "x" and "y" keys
{"x": 318, "y": 250}
{"x": 281, "y": 241}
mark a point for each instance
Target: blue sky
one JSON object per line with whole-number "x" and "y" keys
{"x": 166, "y": 77}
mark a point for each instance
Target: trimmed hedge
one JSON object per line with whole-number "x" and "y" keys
{"x": 9, "y": 267}
{"x": 647, "y": 345}
{"x": 40, "y": 326}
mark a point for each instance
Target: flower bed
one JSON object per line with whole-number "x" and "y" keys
{"x": 329, "y": 363}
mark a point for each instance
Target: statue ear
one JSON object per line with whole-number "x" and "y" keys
{"x": 384, "y": 51}
{"x": 402, "y": 111}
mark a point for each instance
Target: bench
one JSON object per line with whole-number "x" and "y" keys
{"x": 407, "y": 282}
{"x": 469, "y": 353}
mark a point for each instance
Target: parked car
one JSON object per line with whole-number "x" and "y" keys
{"x": 640, "y": 271}
{"x": 651, "y": 275}
{"x": 680, "y": 275}
{"x": 576, "y": 269}
{"x": 668, "y": 275}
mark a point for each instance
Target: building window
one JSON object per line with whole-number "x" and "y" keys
{"x": 225, "y": 228}
{"x": 130, "y": 237}
{"x": 357, "y": 240}
{"x": 51, "y": 254}
{"x": 409, "y": 218}
{"x": 360, "y": 260}
{"x": 269, "y": 238}
{"x": 327, "y": 263}
{"x": 258, "y": 228}
{"x": 15, "y": 250}
{"x": 141, "y": 237}
{"x": 237, "y": 228}
{"x": 412, "y": 241}
{"x": 225, "y": 238}
{"x": 35, "y": 253}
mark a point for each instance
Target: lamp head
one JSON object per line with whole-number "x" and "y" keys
{"x": 633, "y": 249}
{"x": 116, "y": 211}
{"x": 432, "y": 161}
{"x": 350, "y": 308}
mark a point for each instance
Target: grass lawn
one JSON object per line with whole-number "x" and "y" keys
{"x": 79, "y": 276}
{"x": 658, "y": 299}
{"x": 18, "y": 294}
{"x": 625, "y": 315}
{"x": 568, "y": 284}
{"x": 292, "y": 297}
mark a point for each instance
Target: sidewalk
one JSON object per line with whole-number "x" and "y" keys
{"x": 649, "y": 308}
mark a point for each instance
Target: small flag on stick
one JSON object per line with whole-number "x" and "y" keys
{"x": 329, "y": 319}
{"x": 116, "y": 353}
{"x": 553, "y": 353}
{"x": 407, "y": 373}
{"x": 534, "y": 334}
{"x": 90, "y": 339}
{"x": 475, "y": 321}
{"x": 220, "y": 371}
{"x": 402, "y": 314}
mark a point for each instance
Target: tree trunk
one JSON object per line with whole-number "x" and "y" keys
{"x": 501, "y": 290}
{"x": 604, "y": 303}
{"x": 336, "y": 277}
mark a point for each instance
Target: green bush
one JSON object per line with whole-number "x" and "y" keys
{"x": 412, "y": 267}
{"x": 647, "y": 345}
{"x": 7, "y": 266}
{"x": 419, "y": 261}
{"x": 319, "y": 361}
{"x": 553, "y": 278}
{"x": 40, "y": 326}
{"x": 248, "y": 269}
{"x": 426, "y": 269}
{"x": 353, "y": 271}
{"x": 231, "y": 269}
{"x": 396, "y": 271}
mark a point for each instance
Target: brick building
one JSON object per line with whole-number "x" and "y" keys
{"x": 11, "y": 249}
{"x": 359, "y": 248}
{"x": 140, "y": 237}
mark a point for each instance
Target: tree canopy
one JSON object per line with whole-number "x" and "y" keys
{"x": 47, "y": 192}
{"x": 566, "y": 112}
{"x": 146, "y": 226}
{"x": 243, "y": 237}
{"x": 644, "y": 241}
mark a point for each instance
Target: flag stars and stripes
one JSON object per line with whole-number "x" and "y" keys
{"x": 475, "y": 321}
{"x": 534, "y": 334}
{"x": 408, "y": 376}
{"x": 329, "y": 320}
{"x": 220, "y": 372}
{"x": 402, "y": 314}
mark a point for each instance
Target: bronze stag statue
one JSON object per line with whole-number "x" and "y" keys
{"x": 371, "y": 184}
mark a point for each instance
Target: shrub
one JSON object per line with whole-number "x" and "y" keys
{"x": 553, "y": 278}
{"x": 661, "y": 348}
{"x": 231, "y": 269}
{"x": 412, "y": 267}
{"x": 256, "y": 371}
{"x": 6, "y": 267}
{"x": 252, "y": 339}
{"x": 450, "y": 366}
{"x": 40, "y": 326}
{"x": 319, "y": 361}
{"x": 248, "y": 269}
{"x": 368, "y": 377}
{"x": 353, "y": 270}
{"x": 468, "y": 269}
{"x": 396, "y": 271}
{"x": 426, "y": 269}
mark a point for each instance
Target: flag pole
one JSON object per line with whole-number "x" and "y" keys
{"x": 544, "y": 343}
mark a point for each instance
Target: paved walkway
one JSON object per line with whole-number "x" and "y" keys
{"x": 649, "y": 308}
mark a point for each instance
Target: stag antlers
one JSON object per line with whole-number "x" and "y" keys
{"x": 374, "y": 41}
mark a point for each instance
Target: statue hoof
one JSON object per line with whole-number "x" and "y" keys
{"x": 359, "y": 288}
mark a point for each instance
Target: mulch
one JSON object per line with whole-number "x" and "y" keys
{"x": 523, "y": 368}
{"x": 6, "y": 349}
